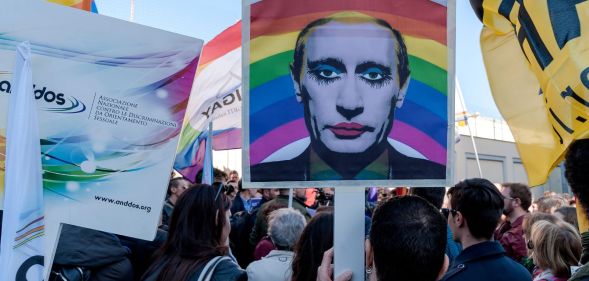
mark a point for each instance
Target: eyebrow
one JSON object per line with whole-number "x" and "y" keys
{"x": 362, "y": 67}
{"x": 335, "y": 62}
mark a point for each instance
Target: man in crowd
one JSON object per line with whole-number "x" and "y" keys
{"x": 176, "y": 187}
{"x": 407, "y": 242}
{"x": 475, "y": 210}
{"x": 350, "y": 73}
{"x": 550, "y": 203}
{"x": 246, "y": 199}
{"x": 233, "y": 176}
{"x": 576, "y": 172}
{"x": 435, "y": 196}
{"x": 517, "y": 198}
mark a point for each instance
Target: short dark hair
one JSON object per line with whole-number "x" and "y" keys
{"x": 576, "y": 166}
{"x": 408, "y": 237}
{"x": 480, "y": 203}
{"x": 175, "y": 182}
{"x": 520, "y": 191}
{"x": 299, "y": 51}
{"x": 433, "y": 195}
{"x": 216, "y": 174}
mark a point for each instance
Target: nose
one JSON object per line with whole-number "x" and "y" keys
{"x": 349, "y": 113}
{"x": 349, "y": 102}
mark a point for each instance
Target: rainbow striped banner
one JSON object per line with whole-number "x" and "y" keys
{"x": 87, "y": 5}
{"x": 216, "y": 98}
{"x": 276, "y": 118}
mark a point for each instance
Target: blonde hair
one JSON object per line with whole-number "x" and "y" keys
{"x": 556, "y": 246}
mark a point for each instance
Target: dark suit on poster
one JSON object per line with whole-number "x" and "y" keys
{"x": 402, "y": 167}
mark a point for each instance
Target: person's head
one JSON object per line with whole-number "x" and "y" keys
{"x": 176, "y": 187}
{"x": 407, "y": 240}
{"x": 476, "y": 206}
{"x": 300, "y": 193}
{"x": 269, "y": 193}
{"x": 350, "y": 72}
{"x": 568, "y": 214}
{"x": 549, "y": 203}
{"x": 576, "y": 165}
{"x": 219, "y": 176}
{"x": 270, "y": 207}
{"x": 198, "y": 231}
{"x": 531, "y": 219}
{"x": 317, "y": 237}
{"x": 285, "y": 227}
{"x": 233, "y": 176}
{"x": 433, "y": 195}
{"x": 556, "y": 247}
{"x": 516, "y": 198}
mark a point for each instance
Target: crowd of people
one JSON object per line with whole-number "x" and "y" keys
{"x": 474, "y": 230}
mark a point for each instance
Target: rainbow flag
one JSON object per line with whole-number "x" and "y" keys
{"x": 87, "y": 5}
{"x": 215, "y": 97}
{"x": 275, "y": 117}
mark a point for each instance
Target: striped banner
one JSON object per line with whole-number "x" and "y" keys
{"x": 87, "y": 5}
{"x": 215, "y": 97}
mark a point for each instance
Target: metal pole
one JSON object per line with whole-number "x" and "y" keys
{"x": 476, "y": 153}
{"x": 132, "y": 14}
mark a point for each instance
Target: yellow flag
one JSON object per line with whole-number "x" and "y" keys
{"x": 537, "y": 59}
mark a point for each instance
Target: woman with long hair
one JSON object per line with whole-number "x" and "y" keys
{"x": 555, "y": 248}
{"x": 198, "y": 233}
{"x": 315, "y": 239}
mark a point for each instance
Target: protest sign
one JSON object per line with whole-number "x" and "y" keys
{"x": 347, "y": 93}
{"x": 111, "y": 97}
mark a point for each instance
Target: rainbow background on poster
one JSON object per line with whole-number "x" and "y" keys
{"x": 276, "y": 118}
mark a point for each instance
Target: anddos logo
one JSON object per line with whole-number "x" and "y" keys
{"x": 56, "y": 102}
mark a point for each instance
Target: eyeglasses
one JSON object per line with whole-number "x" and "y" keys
{"x": 446, "y": 212}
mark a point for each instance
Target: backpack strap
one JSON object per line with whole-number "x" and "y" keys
{"x": 207, "y": 273}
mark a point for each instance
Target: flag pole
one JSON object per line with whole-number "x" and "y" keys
{"x": 132, "y": 12}
{"x": 207, "y": 174}
{"x": 466, "y": 116}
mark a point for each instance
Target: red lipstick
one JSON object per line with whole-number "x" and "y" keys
{"x": 348, "y": 130}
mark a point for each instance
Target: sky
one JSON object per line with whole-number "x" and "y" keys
{"x": 205, "y": 19}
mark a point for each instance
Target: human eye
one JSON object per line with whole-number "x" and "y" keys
{"x": 372, "y": 74}
{"x": 375, "y": 76}
{"x": 325, "y": 73}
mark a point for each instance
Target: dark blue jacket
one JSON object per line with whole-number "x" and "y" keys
{"x": 486, "y": 261}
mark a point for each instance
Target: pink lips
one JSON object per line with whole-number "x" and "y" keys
{"x": 348, "y": 129}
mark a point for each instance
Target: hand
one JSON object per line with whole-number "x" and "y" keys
{"x": 325, "y": 270}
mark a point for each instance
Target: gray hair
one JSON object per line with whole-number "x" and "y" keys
{"x": 285, "y": 226}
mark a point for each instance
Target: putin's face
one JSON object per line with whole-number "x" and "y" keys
{"x": 349, "y": 85}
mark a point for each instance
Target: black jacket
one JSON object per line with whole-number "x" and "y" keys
{"x": 402, "y": 167}
{"x": 486, "y": 261}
